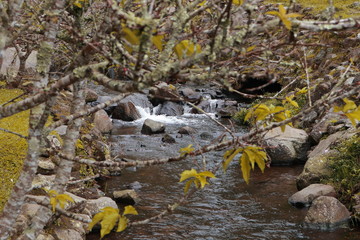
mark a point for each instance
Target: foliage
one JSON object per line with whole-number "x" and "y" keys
{"x": 186, "y": 150}
{"x": 58, "y": 199}
{"x": 109, "y": 216}
{"x": 284, "y": 17}
{"x": 350, "y": 110}
{"x": 198, "y": 179}
{"x": 345, "y": 167}
{"x": 250, "y": 156}
{"x": 12, "y": 148}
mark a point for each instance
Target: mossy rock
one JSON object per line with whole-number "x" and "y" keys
{"x": 12, "y": 148}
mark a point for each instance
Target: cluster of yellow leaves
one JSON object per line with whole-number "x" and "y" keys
{"x": 109, "y": 216}
{"x": 250, "y": 156}
{"x": 238, "y": 2}
{"x": 260, "y": 112}
{"x": 186, "y": 48}
{"x": 198, "y": 179}
{"x": 291, "y": 101}
{"x": 283, "y": 16}
{"x": 132, "y": 36}
{"x": 186, "y": 150}
{"x": 80, "y": 3}
{"x": 58, "y": 199}
{"x": 350, "y": 110}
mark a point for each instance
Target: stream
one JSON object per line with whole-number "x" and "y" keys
{"x": 228, "y": 208}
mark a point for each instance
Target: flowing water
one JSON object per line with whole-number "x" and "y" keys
{"x": 228, "y": 208}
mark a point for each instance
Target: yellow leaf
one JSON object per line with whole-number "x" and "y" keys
{"x": 188, "y": 174}
{"x": 249, "y": 49}
{"x": 122, "y": 224}
{"x": 158, "y": 41}
{"x": 186, "y": 150}
{"x": 188, "y": 185}
{"x": 353, "y": 116}
{"x": 245, "y": 167}
{"x": 229, "y": 156}
{"x": 258, "y": 113}
{"x": 238, "y": 2}
{"x": 131, "y": 35}
{"x": 302, "y": 91}
{"x": 53, "y": 203}
{"x": 63, "y": 199}
{"x": 130, "y": 210}
{"x": 202, "y": 181}
{"x": 283, "y": 16}
{"x": 292, "y": 102}
{"x": 186, "y": 47}
{"x": 107, "y": 218}
{"x": 108, "y": 222}
{"x": 207, "y": 174}
{"x": 97, "y": 218}
{"x": 350, "y": 105}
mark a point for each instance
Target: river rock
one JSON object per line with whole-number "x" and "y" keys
{"x": 151, "y": 127}
{"x": 102, "y": 121}
{"x": 78, "y": 226}
{"x": 187, "y": 130}
{"x": 305, "y": 197}
{"x": 329, "y": 124}
{"x": 190, "y": 94}
{"x": 66, "y": 234}
{"x": 128, "y": 196}
{"x": 288, "y": 147}
{"x": 170, "y": 109}
{"x": 138, "y": 99}
{"x": 168, "y": 139}
{"x": 326, "y": 212}
{"x": 317, "y": 165}
{"x": 94, "y": 206}
{"x": 45, "y": 236}
{"x": 126, "y": 111}
{"x": 90, "y": 95}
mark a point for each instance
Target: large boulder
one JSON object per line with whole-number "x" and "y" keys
{"x": 317, "y": 165}
{"x": 288, "y": 147}
{"x": 94, "y": 206}
{"x": 305, "y": 197}
{"x": 326, "y": 212}
{"x": 170, "y": 109}
{"x": 102, "y": 121}
{"x": 138, "y": 99}
{"x": 126, "y": 111}
{"x": 151, "y": 127}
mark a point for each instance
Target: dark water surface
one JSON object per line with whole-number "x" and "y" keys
{"x": 228, "y": 208}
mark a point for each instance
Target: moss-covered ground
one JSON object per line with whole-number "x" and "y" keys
{"x": 12, "y": 148}
{"x": 343, "y": 8}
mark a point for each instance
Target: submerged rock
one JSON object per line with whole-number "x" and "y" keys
{"x": 305, "y": 197}
{"x": 168, "y": 139}
{"x": 326, "y": 213}
{"x": 151, "y": 127}
{"x": 288, "y": 147}
{"x": 187, "y": 130}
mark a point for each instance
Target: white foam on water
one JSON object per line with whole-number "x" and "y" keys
{"x": 146, "y": 113}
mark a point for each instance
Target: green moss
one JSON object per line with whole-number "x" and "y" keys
{"x": 345, "y": 167}
{"x": 12, "y": 148}
{"x": 343, "y": 8}
{"x": 240, "y": 116}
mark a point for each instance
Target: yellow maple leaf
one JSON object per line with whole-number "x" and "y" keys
{"x": 350, "y": 110}
{"x": 250, "y": 156}
{"x": 283, "y": 16}
{"x": 157, "y": 40}
{"x": 186, "y": 48}
{"x": 257, "y": 113}
{"x": 238, "y": 2}
{"x": 186, "y": 150}
{"x": 198, "y": 179}
{"x": 58, "y": 199}
{"x": 229, "y": 156}
{"x": 291, "y": 101}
